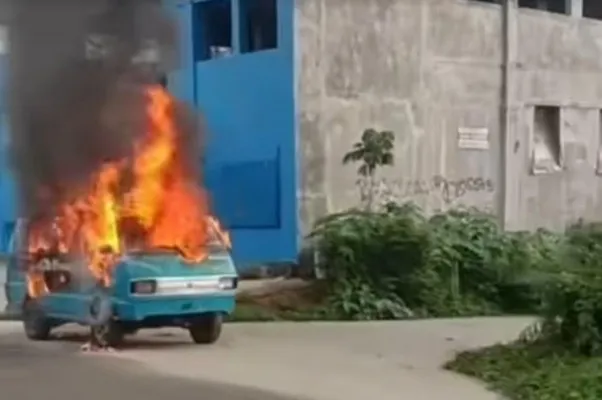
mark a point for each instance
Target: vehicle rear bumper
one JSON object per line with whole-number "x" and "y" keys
{"x": 139, "y": 309}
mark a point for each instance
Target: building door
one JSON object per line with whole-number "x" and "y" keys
{"x": 237, "y": 69}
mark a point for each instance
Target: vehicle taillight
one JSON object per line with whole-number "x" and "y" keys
{"x": 144, "y": 287}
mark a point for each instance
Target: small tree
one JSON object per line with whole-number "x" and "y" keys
{"x": 374, "y": 150}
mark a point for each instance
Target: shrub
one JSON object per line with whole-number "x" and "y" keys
{"x": 369, "y": 257}
{"x": 394, "y": 262}
{"x": 572, "y": 312}
{"x": 381, "y": 264}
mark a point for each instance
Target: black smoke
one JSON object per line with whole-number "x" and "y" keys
{"x": 76, "y": 90}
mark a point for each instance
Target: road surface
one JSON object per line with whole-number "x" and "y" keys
{"x": 34, "y": 371}
{"x": 313, "y": 361}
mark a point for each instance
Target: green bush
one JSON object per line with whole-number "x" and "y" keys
{"x": 533, "y": 372}
{"x": 397, "y": 263}
{"x": 557, "y": 358}
{"x": 572, "y": 312}
{"x": 369, "y": 259}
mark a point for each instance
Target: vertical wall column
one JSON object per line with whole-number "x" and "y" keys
{"x": 509, "y": 195}
{"x": 576, "y": 8}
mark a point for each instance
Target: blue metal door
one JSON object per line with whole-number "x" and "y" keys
{"x": 7, "y": 188}
{"x": 246, "y": 97}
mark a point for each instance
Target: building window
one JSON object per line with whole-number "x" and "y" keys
{"x": 212, "y": 29}
{"x": 555, "y": 6}
{"x": 592, "y": 9}
{"x": 547, "y": 148}
{"x": 258, "y": 25}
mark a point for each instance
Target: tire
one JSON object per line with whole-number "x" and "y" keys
{"x": 109, "y": 334}
{"x": 35, "y": 323}
{"x": 206, "y": 329}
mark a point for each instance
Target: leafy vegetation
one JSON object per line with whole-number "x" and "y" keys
{"x": 534, "y": 371}
{"x": 373, "y": 151}
{"x": 391, "y": 261}
{"x": 558, "y": 357}
{"x": 396, "y": 263}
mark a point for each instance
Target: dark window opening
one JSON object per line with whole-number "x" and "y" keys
{"x": 592, "y": 9}
{"x": 212, "y": 29}
{"x": 555, "y": 6}
{"x": 258, "y": 25}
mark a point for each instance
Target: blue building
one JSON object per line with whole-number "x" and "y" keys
{"x": 237, "y": 69}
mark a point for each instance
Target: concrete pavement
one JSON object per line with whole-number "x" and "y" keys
{"x": 33, "y": 371}
{"x": 322, "y": 361}
{"x": 335, "y": 361}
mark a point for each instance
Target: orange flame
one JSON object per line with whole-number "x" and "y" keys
{"x": 163, "y": 206}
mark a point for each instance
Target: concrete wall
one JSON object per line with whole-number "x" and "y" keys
{"x": 427, "y": 69}
{"x": 558, "y": 62}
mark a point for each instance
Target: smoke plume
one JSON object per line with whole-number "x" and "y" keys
{"x": 78, "y": 69}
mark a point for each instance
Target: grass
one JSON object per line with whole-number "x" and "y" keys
{"x": 293, "y": 304}
{"x": 250, "y": 312}
{"x": 535, "y": 371}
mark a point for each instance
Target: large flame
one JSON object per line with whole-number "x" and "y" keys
{"x": 161, "y": 208}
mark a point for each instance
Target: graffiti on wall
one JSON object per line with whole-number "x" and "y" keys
{"x": 449, "y": 190}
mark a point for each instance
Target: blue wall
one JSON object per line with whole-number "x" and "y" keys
{"x": 248, "y": 102}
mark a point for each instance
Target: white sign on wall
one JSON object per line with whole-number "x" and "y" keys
{"x": 473, "y": 138}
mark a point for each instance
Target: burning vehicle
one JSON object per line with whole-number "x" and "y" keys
{"x": 118, "y": 261}
{"x": 117, "y": 232}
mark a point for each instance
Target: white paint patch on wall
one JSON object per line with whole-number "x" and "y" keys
{"x": 3, "y": 39}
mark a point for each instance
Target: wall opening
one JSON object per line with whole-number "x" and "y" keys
{"x": 592, "y": 9}
{"x": 555, "y": 6}
{"x": 212, "y": 29}
{"x": 547, "y": 148}
{"x": 258, "y": 25}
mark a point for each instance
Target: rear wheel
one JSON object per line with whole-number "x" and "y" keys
{"x": 35, "y": 323}
{"x": 206, "y": 329}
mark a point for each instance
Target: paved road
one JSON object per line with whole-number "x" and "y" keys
{"x": 312, "y": 361}
{"x": 34, "y": 371}
{"x": 330, "y": 361}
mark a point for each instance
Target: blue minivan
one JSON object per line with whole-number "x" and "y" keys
{"x": 150, "y": 289}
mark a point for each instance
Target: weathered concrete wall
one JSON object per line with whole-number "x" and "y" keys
{"x": 424, "y": 69}
{"x": 558, "y": 62}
